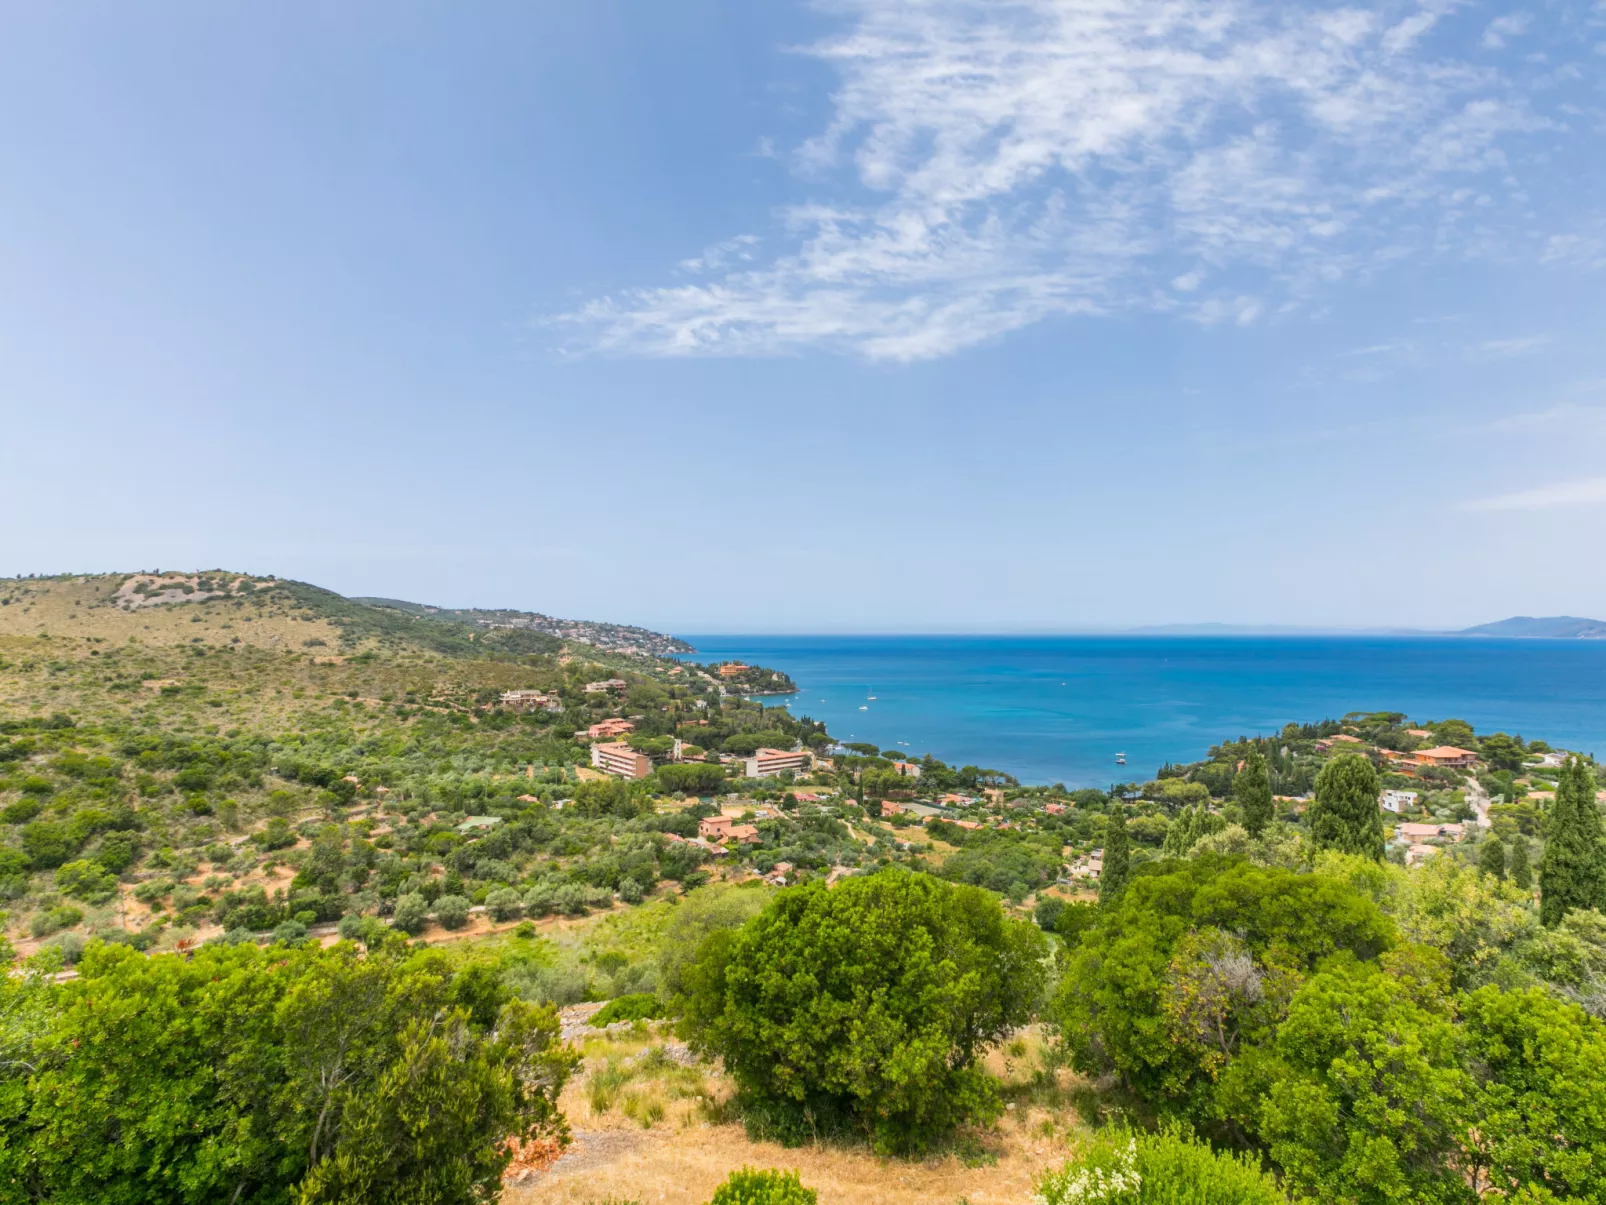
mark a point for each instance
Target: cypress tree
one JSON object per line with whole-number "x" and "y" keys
{"x": 1345, "y": 815}
{"x": 1517, "y": 865}
{"x": 1251, "y": 787}
{"x": 1572, "y": 870}
{"x": 1117, "y": 856}
{"x": 1492, "y": 857}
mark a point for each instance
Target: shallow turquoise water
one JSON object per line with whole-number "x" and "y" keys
{"x": 1059, "y": 708}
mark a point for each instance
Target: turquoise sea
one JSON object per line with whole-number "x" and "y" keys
{"x": 1059, "y": 708}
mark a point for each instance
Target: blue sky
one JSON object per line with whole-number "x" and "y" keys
{"x": 857, "y": 315}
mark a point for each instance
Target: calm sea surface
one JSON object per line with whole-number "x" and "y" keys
{"x": 1059, "y": 708}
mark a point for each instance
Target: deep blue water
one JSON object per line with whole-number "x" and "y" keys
{"x": 1059, "y": 708}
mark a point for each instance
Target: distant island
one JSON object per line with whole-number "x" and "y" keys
{"x": 1520, "y": 627}
{"x": 1554, "y": 627}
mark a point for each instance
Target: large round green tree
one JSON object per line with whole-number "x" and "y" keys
{"x": 1572, "y": 870}
{"x": 1345, "y": 815}
{"x": 864, "y": 1008}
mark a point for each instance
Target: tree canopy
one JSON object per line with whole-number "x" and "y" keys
{"x": 268, "y": 1075}
{"x": 865, "y": 1008}
{"x": 1345, "y": 815}
{"x": 1572, "y": 870}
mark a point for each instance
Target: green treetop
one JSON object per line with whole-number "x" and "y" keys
{"x": 1492, "y": 857}
{"x": 1117, "y": 856}
{"x": 1517, "y": 864}
{"x": 1251, "y": 787}
{"x": 1572, "y": 871}
{"x": 1345, "y": 815}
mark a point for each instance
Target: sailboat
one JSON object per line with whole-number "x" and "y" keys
{"x": 1120, "y": 759}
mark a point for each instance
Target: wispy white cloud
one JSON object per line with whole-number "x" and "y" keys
{"x": 995, "y": 162}
{"x": 1586, "y": 491}
{"x": 1501, "y": 29}
{"x": 1506, "y": 349}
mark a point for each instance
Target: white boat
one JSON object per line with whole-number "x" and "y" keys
{"x": 862, "y": 708}
{"x": 1120, "y": 759}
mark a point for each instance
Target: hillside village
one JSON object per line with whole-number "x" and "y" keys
{"x": 213, "y": 766}
{"x": 291, "y": 766}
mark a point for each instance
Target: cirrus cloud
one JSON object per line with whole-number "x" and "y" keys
{"x": 1586, "y": 491}
{"x": 991, "y": 163}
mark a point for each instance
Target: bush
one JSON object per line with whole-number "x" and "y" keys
{"x": 631, "y": 892}
{"x": 54, "y": 920}
{"x": 541, "y": 900}
{"x": 638, "y": 1006}
{"x": 1190, "y": 951}
{"x": 116, "y": 852}
{"x": 277, "y": 834}
{"x": 71, "y": 946}
{"x": 350, "y": 927}
{"x": 865, "y": 1008}
{"x": 452, "y": 911}
{"x": 194, "y": 1064}
{"x": 1157, "y": 1169}
{"x": 412, "y": 914}
{"x": 87, "y": 881}
{"x": 504, "y": 904}
{"x": 47, "y": 843}
{"x": 291, "y": 932}
{"x": 20, "y": 812}
{"x": 750, "y": 1186}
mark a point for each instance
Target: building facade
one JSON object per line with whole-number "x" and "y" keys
{"x": 767, "y": 763}
{"x": 619, "y": 758}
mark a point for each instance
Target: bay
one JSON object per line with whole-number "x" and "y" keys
{"x": 1059, "y": 708}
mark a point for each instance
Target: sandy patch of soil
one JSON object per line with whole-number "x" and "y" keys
{"x": 683, "y": 1167}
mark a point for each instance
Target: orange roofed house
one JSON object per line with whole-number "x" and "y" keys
{"x": 611, "y": 728}
{"x": 720, "y": 828}
{"x": 1447, "y": 756}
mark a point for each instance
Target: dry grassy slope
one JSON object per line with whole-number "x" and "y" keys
{"x": 266, "y": 689}
{"x": 83, "y": 608}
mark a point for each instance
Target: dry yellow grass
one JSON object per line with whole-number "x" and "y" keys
{"x": 683, "y": 1166}
{"x": 82, "y": 608}
{"x": 680, "y": 1157}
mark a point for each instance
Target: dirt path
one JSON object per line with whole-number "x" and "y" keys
{"x": 1479, "y": 799}
{"x": 662, "y": 1166}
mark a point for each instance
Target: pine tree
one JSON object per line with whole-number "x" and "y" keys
{"x": 1492, "y": 857}
{"x": 1117, "y": 856}
{"x": 1517, "y": 864}
{"x": 1572, "y": 870}
{"x": 1251, "y": 787}
{"x": 1345, "y": 815}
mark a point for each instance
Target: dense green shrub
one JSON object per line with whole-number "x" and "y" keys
{"x": 1194, "y": 960}
{"x": 452, "y": 911}
{"x": 638, "y": 1006}
{"x": 53, "y": 920}
{"x": 308, "y": 1075}
{"x": 1359, "y": 1095}
{"x": 47, "y": 843}
{"x": 87, "y": 881}
{"x": 865, "y": 1008}
{"x": 752, "y": 1186}
{"x": 504, "y": 904}
{"x": 411, "y": 914}
{"x": 1169, "y": 1168}
{"x": 277, "y": 834}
